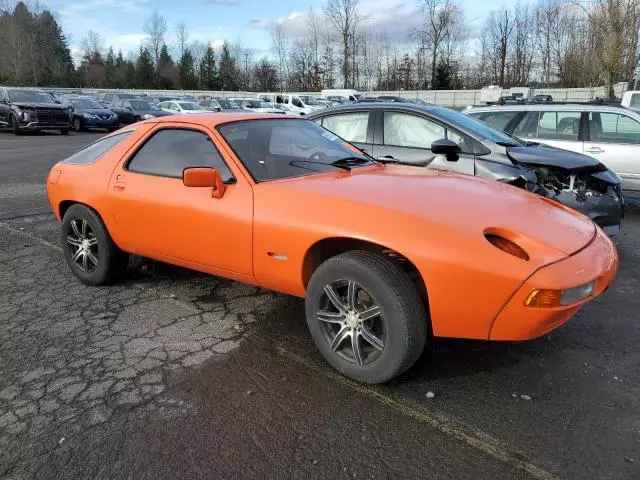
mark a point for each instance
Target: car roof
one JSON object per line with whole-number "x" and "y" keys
{"x": 414, "y": 107}
{"x": 219, "y": 118}
{"x": 549, "y": 107}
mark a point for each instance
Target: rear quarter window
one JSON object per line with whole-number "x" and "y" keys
{"x": 93, "y": 152}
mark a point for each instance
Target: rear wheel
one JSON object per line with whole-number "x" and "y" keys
{"x": 15, "y": 126}
{"x": 365, "y": 316}
{"x": 88, "y": 248}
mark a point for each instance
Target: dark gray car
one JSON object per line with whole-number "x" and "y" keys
{"x": 441, "y": 138}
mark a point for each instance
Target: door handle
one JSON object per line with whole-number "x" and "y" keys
{"x": 386, "y": 157}
{"x": 119, "y": 184}
{"x": 594, "y": 150}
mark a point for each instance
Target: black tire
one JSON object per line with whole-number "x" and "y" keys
{"x": 15, "y": 126}
{"x": 111, "y": 261}
{"x": 402, "y": 315}
{"x": 64, "y": 131}
{"x": 77, "y": 125}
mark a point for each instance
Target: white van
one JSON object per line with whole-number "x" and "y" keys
{"x": 301, "y": 104}
{"x": 346, "y": 93}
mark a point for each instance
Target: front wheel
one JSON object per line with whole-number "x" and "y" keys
{"x": 366, "y": 316}
{"x": 77, "y": 125}
{"x": 15, "y": 126}
{"x": 88, "y": 248}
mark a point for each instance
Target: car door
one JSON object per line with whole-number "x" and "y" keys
{"x": 4, "y": 107}
{"x": 407, "y": 137}
{"x": 162, "y": 218}
{"x": 560, "y": 129}
{"x": 614, "y": 139}
{"x": 355, "y": 127}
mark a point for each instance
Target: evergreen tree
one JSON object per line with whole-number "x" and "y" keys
{"x": 167, "y": 74}
{"x": 186, "y": 71}
{"x": 228, "y": 70}
{"x": 129, "y": 75}
{"x": 109, "y": 69}
{"x": 208, "y": 71}
{"x": 144, "y": 69}
{"x": 443, "y": 78}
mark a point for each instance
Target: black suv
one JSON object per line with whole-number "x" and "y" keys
{"x": 23, "y": 109}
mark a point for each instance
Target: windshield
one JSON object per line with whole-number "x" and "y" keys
{"x": 142, "y": 105}
{"x": 258, "y": 104}
{"x": 273, "y": 149}
{"x": 308, "y": 100}
{"x": 228, "y": 105}
{"x": 30, "y": 96}
{"x": 475, "y": 126}
{"x": 86, "y": 103}
{"x": 189, "y": 106}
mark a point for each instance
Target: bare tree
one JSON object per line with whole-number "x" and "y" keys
{"x": 92, "y": 44}
{"x": 280, "y": 48}
{"x": 499, "y": 27}
{"x": 441, "y": 16}
{"x": 343, "y": 15}
{"x": 155, "y": 28}
{"x": 615, "y": 25}
{"x": 182, "y": 38}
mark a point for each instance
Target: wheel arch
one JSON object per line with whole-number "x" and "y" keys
{"x": 329, "y": 247}
{"x": 64, "y": 205}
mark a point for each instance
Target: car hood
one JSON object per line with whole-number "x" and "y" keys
{"x": 155, "y": 113}
{"x": 464, "y": 203}
{"x": 54, "y": 106}
{"x": 94, "y": 111}
{"x": 541, "y": 156}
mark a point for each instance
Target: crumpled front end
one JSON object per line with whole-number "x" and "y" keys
{"x": 595, "y": 195}
{"x": 577, "y": 181}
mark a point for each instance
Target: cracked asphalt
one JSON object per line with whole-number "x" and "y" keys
{"x": 175, "y": 374}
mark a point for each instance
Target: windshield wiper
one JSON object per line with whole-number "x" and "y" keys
{"x": 508, "y": 144}
{"x": 346, "y": 161}
{"x": 343, "y": 167}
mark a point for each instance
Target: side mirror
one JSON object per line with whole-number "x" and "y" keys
{"x": 448, "y": 148}
{"x": 130, "y": 109}
{"x": 204, "y": 177}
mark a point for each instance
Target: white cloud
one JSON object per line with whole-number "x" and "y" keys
{"x": 395, "y": 18}
{"x": 222, "y": 2}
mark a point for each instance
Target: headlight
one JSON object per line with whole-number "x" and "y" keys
{"x": 87, "y": 115}
{"x": 147, "y": 116}
{"x": 20, "y": 114}
{"x": 554, "y": 298}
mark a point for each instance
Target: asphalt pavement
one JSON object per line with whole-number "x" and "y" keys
{"x": 175, "y": 374}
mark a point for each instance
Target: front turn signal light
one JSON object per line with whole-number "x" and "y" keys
{"x": 507, "y": 246}
{"x": 544, "y": 298}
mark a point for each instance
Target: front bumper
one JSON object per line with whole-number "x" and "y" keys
{"x": 598, "y": 260}
{"x": 99, "y": 122}
{"x": 607, "y": 211}
{"x": 33, "y": 126}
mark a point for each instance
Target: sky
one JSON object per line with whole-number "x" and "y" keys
{"x": 120, "y": 22}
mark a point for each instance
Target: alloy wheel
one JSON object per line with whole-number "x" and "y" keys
{"x": 351, "y": 322}
{"x": 83, "y": 245}
{"x": 76, "y": 124}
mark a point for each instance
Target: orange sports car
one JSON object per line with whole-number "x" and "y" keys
{"x": 381, "y": 253}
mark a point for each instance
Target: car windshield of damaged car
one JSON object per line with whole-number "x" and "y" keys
{"x": 189, "y": 106}
{"x": 477, "y": 127}
{"x": 142, "y": 105}
{"x": 228, "y": 104}
{"x": 272, "y": 149}
{"x": 85, "y": 103}
{"x": 29, "y": 96}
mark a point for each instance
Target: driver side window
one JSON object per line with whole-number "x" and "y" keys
{"x": 403, "y": 130}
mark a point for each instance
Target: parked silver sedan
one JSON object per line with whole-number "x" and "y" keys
{"x": 607, "y": 132}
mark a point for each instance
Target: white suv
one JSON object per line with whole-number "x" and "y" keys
{"x": 607, "y": 132}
